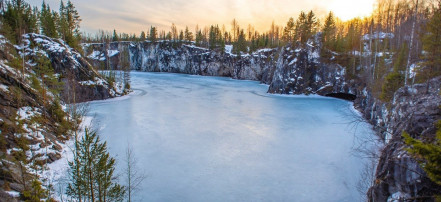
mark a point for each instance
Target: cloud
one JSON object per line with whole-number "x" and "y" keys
{"x": 133, "y": 16}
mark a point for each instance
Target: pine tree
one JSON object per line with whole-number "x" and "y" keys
{"x": 288, "y": 32}
{"x": 19, "y": 18}
{"x": 395, "y": 79}
{"x": 174, "y": 32}
{"x": 47, "y": 21}
{"x": 142, "y": 36}
{"x": 240, "y": 45}
{"x": 188, "y": 35}
{"x": 199, "y": 38}
{"x": 69, "y": 24}
{"x": 181, "y": 36}
{"x": 92, "y": 171}
{"x": 153, "y": 34}
{"x": 427, "y": 153}
{"x": 329, "y": 32}
{"x": 300, "y": 26}
{"x": 115, "y": 36}
{"x": 432, "y": 45}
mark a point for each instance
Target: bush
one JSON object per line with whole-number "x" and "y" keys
{"x": 392, "y": 83}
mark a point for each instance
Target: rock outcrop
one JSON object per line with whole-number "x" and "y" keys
{"x": 294, "y": 69}
{"x": 414, "y": 109}
{"x": 72, "y": 67}
{"x": 288, "y": 70}
{"x": 33, "y": 124}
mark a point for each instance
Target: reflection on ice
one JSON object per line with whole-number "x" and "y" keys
{"x": 218, "y": 139}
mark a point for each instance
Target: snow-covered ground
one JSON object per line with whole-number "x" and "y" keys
{"x": 56, "y": 173}
{"x": 217, "y": 139}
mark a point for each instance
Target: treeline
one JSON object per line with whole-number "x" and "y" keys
{"x": 18, "y": 17}
{"x": 398, "y": 44}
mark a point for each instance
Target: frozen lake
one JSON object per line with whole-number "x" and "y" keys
{"x": 217, "y": 139}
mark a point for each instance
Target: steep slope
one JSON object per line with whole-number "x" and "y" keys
{"x": 414, "y": 109}
{"x": 33, "y": 123}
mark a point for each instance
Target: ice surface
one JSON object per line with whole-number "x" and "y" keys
{"x": 217, "y": 139}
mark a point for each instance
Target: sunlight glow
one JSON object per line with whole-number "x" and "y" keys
{"x": 348, "y": 9}
{"x": 133, "y": 16}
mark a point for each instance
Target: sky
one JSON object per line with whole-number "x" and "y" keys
{"x": 134, "y": 16}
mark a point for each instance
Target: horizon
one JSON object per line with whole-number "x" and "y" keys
{"x": 134, "y": 16}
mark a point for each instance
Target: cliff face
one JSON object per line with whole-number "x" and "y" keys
{"x": 188, "y": 59}
{"x": 288, "y": 70}
{"x": 72, "y": 67}
{"x": 299, "y": 70}
{"x": 33, "y": 124}
{"x": 414, "y": 109}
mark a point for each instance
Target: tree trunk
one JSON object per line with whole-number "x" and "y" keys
{"x": 406, "y": 76}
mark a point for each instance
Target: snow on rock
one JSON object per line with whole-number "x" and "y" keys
{"x": 398, "y": 196}
{"x": 112, "y": 53}
{"x": 413, "y": 70}
{"x": 293, "y": 61}
{"x": 378, "y": 35}
{"x": 3, "y": 40}
{"x": 4, "y": 88}
{"x": 66, "y": 60}
{"x": 228, "y": 49}
{"x": 14, "y": 194}
{"x": 97, "y": 55}
{"x": 193, "y": 46}
{"x": 27, "y": 112}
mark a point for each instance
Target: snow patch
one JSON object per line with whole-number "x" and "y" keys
{"x": 398, "y": 196}
{"x": 228, "y": 49}
{"x": 196, "y": 47}
{"x": 293, "y": 61}
{"x": 27, "y": 112}
{"x": 412, "y": 70}
{"x": 14, "y": 194}
{"x": 57, "y": 171}
{"x": 378, "y": 35}
{"x": 97, "y": 55}
{"x": 112, "y": 53}
{"x": 4, "y": 88}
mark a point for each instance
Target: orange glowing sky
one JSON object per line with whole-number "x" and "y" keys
{"x": 133, "y": 16}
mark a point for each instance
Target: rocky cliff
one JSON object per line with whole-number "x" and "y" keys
{"x": 296, "y": 69}
{"x": 34, "y": 122}
{"x": 288, "y": 70}
{"x": 414, "y": 109}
